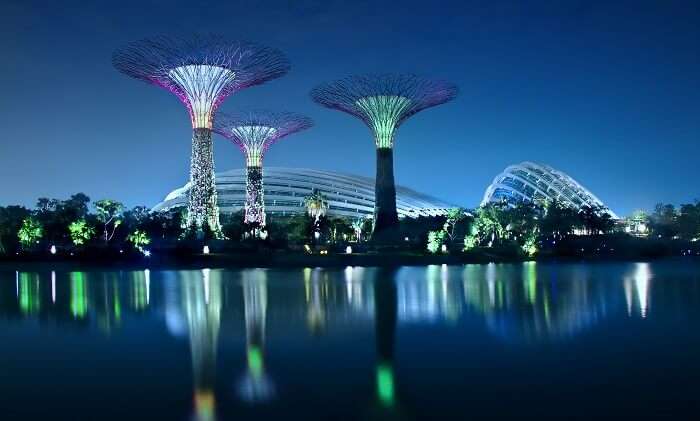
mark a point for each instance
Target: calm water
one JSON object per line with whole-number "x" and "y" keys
{"x": 519, "y": 341}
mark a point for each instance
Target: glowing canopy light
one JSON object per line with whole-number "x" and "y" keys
{"x": 254, "y": 133}
{"x": 383, "y": 101}
{"x": 256, "y": 142}
{"x": 384, "y": 112}
{"x": 202, "y": 71}
{"x": 201, "y": 86}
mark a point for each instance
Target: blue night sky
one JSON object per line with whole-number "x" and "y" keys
{"x": 607, "y": 91}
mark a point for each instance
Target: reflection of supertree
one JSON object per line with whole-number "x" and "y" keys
{"x": 202, "y": 72}
{"x": 256, "y": 386}
{"x": 385, "y": 314}
{"x": 201, "y": 293}
{"x": 383, "y": 103}
{"x": 254, "y": 133}
{"x": 525, "y": 308}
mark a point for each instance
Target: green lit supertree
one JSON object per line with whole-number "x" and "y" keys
{"x": 383, "y": 102}
{"x": 202, "y": 71}
{"x": 254, "y": 132}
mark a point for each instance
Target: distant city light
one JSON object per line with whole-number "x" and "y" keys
{"x": 147, "y": 253}
{"x": 205, "y": 250}
{"x": 53, "y": 249}
{"x": 348, "y": 250}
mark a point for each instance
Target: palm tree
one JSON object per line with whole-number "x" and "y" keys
{"x": 316, "y": 205}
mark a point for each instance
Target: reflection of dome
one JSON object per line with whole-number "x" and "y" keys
{"x": 529, "y": 181}
{"x": 286, "y": 188}
{"x": 527, "y": 309}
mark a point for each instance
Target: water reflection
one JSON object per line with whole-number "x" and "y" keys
{"x": 386, "y": 303}
{"x": 515, "y": 304}
{"x": 256, "y": 386}
{"x": 636, "y": 286}
{"x": 201, "y": 297}
{"x": 522, "y": 307}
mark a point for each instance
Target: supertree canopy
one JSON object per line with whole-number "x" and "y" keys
{"x": 383, "y": 102}
{"x": 254, "y": 132}
{"x": 202, "y": 71}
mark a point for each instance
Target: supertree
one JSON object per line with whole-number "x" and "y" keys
{"x": 383, "y": 102}
{"x": 202, "y": 71}
{"x": 254, "y": 132}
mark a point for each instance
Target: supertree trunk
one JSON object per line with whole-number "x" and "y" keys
{"x": 254, "y": 200}
{"x": 202, "y": 208}
{"x": 386, "y": 219}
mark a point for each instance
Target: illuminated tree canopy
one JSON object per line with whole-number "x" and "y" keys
{"x": 383, "y": 101}
{"x": 202, "y": 70}
{"x": 254, "y": 132}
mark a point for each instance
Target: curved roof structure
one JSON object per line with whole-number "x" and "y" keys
{"x": 529, "y": 181}
{"x": 285, "y": 189}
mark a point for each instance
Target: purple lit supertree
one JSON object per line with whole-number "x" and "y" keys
{"x": 254, "y": 132}
{"x": 202, "y": 71}
{"x": 383, "y": 102}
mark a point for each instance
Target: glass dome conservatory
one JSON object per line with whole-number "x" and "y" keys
{"x": 532, "y": 182}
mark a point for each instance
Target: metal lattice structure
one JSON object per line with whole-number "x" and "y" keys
{"x": 202, "y": 72}
{"x": 540, "y": 183}
{"x": 254, "y": 133}
{"x": 383, "y": 102}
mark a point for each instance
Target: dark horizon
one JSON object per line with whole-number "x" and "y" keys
{"x": 607, "y": 93}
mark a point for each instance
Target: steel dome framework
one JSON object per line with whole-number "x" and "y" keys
{"x": 533, "y": 182}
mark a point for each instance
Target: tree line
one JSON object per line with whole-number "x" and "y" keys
{"x": 76, "y": 224}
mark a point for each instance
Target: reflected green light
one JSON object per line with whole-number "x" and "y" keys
{"x": 29, "y": 300}
{"x": 78, "y": 295}
{"x": 385, "y": 384}
{"x": 255, "y": 361}
{"x": 531, "y": 281}
{"x": 117, "y": 303}
{"x": 139, "y": 291}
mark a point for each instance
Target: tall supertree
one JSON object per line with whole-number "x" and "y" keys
{"x": 383, "y": 102}
{"x": 202, "y": 71}
{"x": 254, "y": 132}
